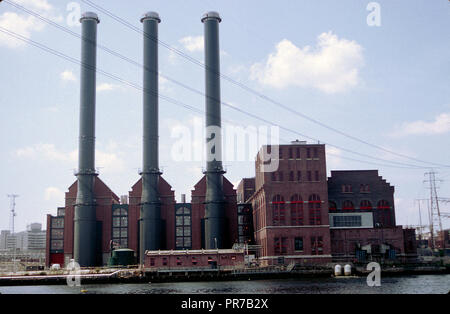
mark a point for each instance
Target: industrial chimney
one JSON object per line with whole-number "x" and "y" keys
{"x": 150, "y": 213}
{"x": 85, "y": 215}
{"x": 214, "y": 200}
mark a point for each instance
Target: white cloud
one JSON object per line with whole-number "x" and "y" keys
{"x": 107, "y": 87}
{"x": 440, "y": 125}
{"x": 68, "y": 75}
{"x": 54, "y": 194}
{"x": 42, "y": 5}
{"x": 24, "y": 24}
{"x": 193, "y": 43}
{"x": 107, "y": 160}
{"x": 332, "y": 66}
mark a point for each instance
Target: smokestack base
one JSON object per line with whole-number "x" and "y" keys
{"x": 211, "y": 15}
{"x": 89, "y": 16}
{"x": 151, "y": 16}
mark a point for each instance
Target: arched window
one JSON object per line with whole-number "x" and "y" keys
{"x": 348, "y": 205}
{"x": 384, "y": 213}
{"x": 296, "y": 210}
{"x": 278, "y": 210}
{"x": 365, "y": 205}
{"x": 383, "y": 204}
{"x": 332, "y": 206}
{"x": 315, "y": 206}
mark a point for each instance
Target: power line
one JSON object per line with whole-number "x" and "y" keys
{"x": 179, "y": 103}
{"x": 251, "y": 90}
{"x": 37, "y": 15}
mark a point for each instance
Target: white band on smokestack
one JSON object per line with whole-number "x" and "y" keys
{"x": 89, "y": 15}
{"x": 151, "y": 15}
{"x": 211, "y": 15}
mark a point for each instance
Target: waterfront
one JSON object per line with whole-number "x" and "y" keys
{"x": 423, "y": 284}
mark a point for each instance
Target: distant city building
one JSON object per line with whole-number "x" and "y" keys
{"x": 4, "y": 234}
{"x": 33, "y": 239}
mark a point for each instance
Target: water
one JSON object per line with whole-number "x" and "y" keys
{"x": 425, "y": 284}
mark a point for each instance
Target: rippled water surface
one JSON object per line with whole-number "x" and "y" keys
{"x": 392, "y": 285}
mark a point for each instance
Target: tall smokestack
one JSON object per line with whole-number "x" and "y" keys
{"x": 214, "y": 201}
{"x": 150, "y": 215}
{"x": 85, "y": 217}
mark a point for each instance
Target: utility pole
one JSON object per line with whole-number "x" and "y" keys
{"x": 434, "y": 201}
{"x": 420, "y": 220}
{"x": 13, "y": 209}
{"x": 13, "y": 214}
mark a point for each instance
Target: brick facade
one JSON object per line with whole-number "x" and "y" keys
{"x": 290, "y": 211}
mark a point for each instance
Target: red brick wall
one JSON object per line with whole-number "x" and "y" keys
{"x": 167, "y": 196}
{"x": 203, "y": 260}
{"x": 265, "y": 229}
{"x": 105, "y": 198}
{"x": 344, "y": 240}
{"x": 198, "y": 212}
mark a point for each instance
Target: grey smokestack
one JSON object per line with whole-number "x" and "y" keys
{"x": 150, "y": 215}
{"x": 85, "y": 216}
{"x": 214, "y": 201}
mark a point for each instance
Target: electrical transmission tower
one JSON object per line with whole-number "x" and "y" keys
{"x": 434, "y": 204}
{"x": 13, "y": 210}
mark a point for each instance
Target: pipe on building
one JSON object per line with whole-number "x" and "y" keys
{"x": 85, "y": 213}
{"x": 150, "y": 213}
{"x": 214, "y": 200}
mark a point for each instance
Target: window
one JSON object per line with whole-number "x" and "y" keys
{"x": 291, "y": 155}
{"x": 309, "y": 176}
{"x": 316, "y": 152}
{"x": 61, "y": 211}
{"x": 365, "y": 205}
{"x": 57, "y": 234}
{"x": 120, "y": 227}
{"x": 383, "y": 205}
{"x": 296, "y": 210}
{"x": 291, "y": 176}
{"x": 347, "y": 221}
{"x": 348, "y": 205}
{"x": 56, "y": 245}
{"x": 332, "y": 206}
{"x": 298, "y": 244}
{"x": 183, "y": 218}
{"x": 280, "y": 245}
{"x": 278, "y": 210}
{"x": 346, "y": 188}
{"x": 152, "y": 262}
{"x": 164, "y": 261}
{"x": 364, "y": 188}
{"x": 281, "y": 153}
{"x": 274, "y": 176}
{"x": 316, "y": 173}
{"x": 384, "y": 213}
{"x": 280, "y": 176}
{"x": 299, "y": 176}
{"x": 316, "y": 245}
{"x": 57, "y": 222}
{"x": 308, "y": 153}
{"x": 298, "y": 152}
{"x": 314, "y": 205}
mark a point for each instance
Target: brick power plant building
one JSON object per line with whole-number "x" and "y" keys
{"x": 293, "y": 213}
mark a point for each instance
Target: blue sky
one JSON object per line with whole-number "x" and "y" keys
{"x": 387, "y": 84}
